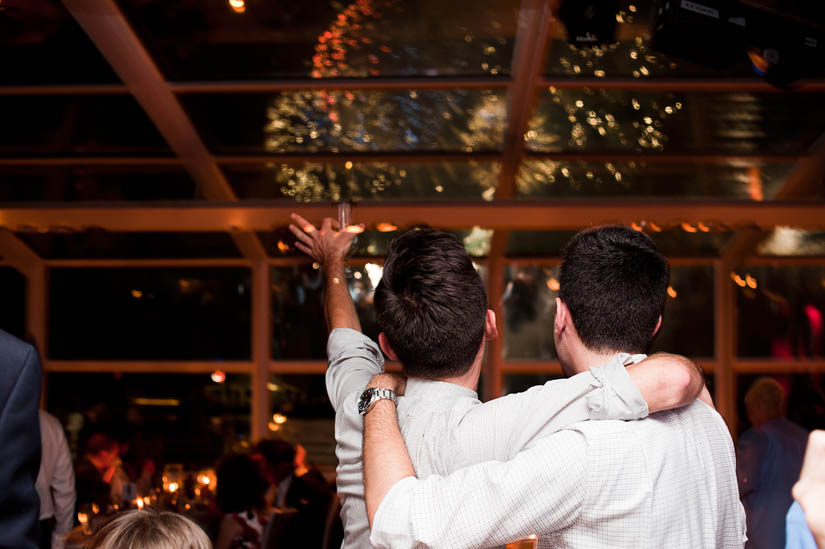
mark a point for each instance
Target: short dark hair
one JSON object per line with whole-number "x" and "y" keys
{"x": 431, "y": 304}
{"x": 241, "y": 485}
{"x": 614, "y": 281}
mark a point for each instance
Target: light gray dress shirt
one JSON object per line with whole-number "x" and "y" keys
{"x": 665, "y": 481}
{"x": 55, "y": 480}
{"x": 446, "y": 427}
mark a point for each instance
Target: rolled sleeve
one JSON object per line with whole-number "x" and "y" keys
{"x": 619, "y": 397}
{"x": 353, "y": 360}
{"x": 542, "y": 490}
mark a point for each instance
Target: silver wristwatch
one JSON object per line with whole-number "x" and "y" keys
{"x": 371, "y": 396}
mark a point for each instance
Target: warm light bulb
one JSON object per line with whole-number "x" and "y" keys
{"x": 218, "y": 376}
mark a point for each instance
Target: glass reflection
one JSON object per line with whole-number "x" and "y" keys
{"x": 560, "y": 179}
{"x": 787, "y": 241}
{"x": 354, "y": 180}
{"x": 780, "y": 312}
{"x": 302, "y": 414}
{"x": 625, "y": 120}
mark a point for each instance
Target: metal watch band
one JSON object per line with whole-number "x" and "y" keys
{"x": 373, "y": 395}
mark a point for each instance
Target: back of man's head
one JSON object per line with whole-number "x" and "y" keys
{"x": 765, "y": 400}
{"x": 614, "y": 282}
{"x": 431, "y": 304}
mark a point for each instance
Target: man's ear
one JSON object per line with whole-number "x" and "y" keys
{"x": 658, "y": 325}
{"x": 490, "y": 328}
{"x": 562, "y": 317}
{"x": 384, "y": 343}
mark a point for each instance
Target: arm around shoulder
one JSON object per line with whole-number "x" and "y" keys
{"x": 667, "y": 381}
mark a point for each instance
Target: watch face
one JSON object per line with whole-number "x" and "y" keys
{"x": 364, "y": 402}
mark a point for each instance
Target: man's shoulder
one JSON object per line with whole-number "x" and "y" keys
{"x": 13, "y": 351}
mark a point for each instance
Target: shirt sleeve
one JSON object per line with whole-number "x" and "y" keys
{"x": 500, "y": 428}
{"x": 542, "y": 490}
{"x": 62, "y": 485}
{"x": 798, "y": 534}
{"x": 353, "y": 360}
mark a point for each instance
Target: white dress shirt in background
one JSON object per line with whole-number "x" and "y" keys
{"x": 665, "y": 481}
{"x": 446, "y": 427}
{"x": 55, "y": 481}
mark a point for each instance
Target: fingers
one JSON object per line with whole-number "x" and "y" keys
{"x": 303, "y": 223}
{"x": 304, "y": 248}
{"x": 301, "y": 235}
{"x": 326, "y": 225}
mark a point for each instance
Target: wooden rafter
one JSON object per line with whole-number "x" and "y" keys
{"x": 113, "y": 35}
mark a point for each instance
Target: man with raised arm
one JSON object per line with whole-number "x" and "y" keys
{"x": 665, "y": 481}
{"x": 432, "y": 310}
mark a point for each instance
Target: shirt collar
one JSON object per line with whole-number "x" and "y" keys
{"x": 437, "y": 390}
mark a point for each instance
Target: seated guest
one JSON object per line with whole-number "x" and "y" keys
{"x": 150, "y": 529}
{"x": 297, "y": 486}
{"x": 55, "y": 484}
{"x": 241, "y": 498}
{"x": 95, "y": 470}
{"x": 768, "y": 462}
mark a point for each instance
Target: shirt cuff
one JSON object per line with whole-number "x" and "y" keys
{"x": 390, "y": 526}
{"x": 619, "y": 397}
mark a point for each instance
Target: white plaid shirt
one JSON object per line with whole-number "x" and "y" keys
{"x": 446, "y": 427}
{"x": 665, "y": 481}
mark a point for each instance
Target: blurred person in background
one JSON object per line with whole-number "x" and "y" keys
{"x": 241, "y": 498}
{"x": 769, "y": 458}
{"x": 55, "y": 484}
{"x": 806, "y": 518}
{"x": 95, "y": 470}
{"x": 150, "y": 529}
{"x": 20, "y": 386}
{"x": 296, "y": 485}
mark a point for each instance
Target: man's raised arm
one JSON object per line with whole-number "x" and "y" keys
{"x": 329, "y": 247}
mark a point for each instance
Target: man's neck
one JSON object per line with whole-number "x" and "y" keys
{"x": 583, "y": 358}
{"x": 468, "y": 380}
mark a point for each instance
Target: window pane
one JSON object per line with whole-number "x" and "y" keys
{"x": 374, "y": 243}
{"x": 517, "y": 383}
{"x": 178, "y": 418}
{"x": 805, "y": 395}
{"x": 543, "y": 179}
{"x": 671, "y": 242}
{"x": 13, "y": 298}
{"x": 687, "y": 326}
{"x": 150, "y": 314}
{"x": 632, "y": 55}
{"x": 780, "y": 311}
{"x": 787, "y": 241}
{"x": 295, "y": 38}
{"x": 529, "y": 310}
{"x": 344, "y": 121}
{"x": 317, "y": 182}
{"x": 624, "y": 120}
{"x": 299, "y": 330}
{"x": 302, "y": 414}
{"x": 89, "y": 183}
{"x": 43, "y": 44}
{"x": 42, "y": 125}
{"x": 106, "y": 245}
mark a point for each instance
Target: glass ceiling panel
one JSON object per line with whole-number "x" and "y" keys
{"x": 542, "y": 179}
{"x": 90, "y": 183}
{"x": 632, "y": 55}
{"x": 101, "y": 244}
{"x": 300, "y": 39}
{"x": 787, "y": 241}
{"x": 77, "y": 125}
{"x": 345, "y": 121}
{"x": 318, "y": 182}
{"x": 374, "y": 242}
{"x": 671, "y": 242}
{"x": 42, "y": 44}
{"x": 624, "y": 120}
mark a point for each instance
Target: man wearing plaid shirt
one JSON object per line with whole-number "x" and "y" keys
{"x": 665, "y": 481}
{"x": 433, "y": 312}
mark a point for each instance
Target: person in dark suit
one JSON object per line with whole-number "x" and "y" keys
{"x": 20, "y": 382}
